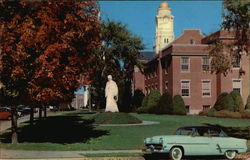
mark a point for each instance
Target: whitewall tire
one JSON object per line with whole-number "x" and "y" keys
{"x": 175, "y": 153}
{"x": 230, "y": 154}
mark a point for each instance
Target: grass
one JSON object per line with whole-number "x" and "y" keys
{"x": 76, "y": 131}
{"x": 115, "y": 118}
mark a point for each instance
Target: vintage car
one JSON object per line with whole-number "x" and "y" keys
{"x": 196, "y": 140}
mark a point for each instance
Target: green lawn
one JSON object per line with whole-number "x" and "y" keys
{"x": 76, "y": 131}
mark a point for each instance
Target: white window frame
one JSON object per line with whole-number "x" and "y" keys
{"x": 185, "y": 64}
{"x": 240, "y": 84}
{"x": 189, "y": 93}
{"x": 209, "y": 65}
{"x": 203, "y": 107}
{"x": 203, "y": 88}
{"x": 236, "y": 67}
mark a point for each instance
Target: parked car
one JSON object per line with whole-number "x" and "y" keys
{"x": 5, "y": 113}
{"x": 25, "y": 110}
{"x": 196, "y": 140}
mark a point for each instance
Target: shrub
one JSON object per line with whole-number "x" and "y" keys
{"x": 224, "y": 101}
{"x": 211, "y": 112}
{"x": 165, "y": 104}
{"x": 115, "y": 118}
{"x": 238, "y": 102}
{"x": 245, "y": 114}
{"x": 248, "y": 103}
{"x": 137, "y": 99}
{"x": 227, "y": 114}
{"x": 153, "y": 98}
{"x": 178, "y": 105}
{"x": 203, "y": 113}
{"x": 150, "y": 102}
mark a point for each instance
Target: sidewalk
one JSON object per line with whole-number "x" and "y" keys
{"x": 74, "y": 155}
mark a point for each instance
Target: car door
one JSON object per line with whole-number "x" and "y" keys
{"x": 201, "y": 142}
{"x": 217, "y": 141}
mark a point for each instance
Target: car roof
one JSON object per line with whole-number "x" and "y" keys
{"x": 200, "y": 127}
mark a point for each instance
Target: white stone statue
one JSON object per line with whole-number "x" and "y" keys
{"x": 85, "y": 96}
{"x": 111, "y": 94}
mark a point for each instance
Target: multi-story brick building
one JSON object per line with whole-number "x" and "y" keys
{"x": 183, "y": 67}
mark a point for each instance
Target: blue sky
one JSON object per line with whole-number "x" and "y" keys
{"x": 140, "y": 16}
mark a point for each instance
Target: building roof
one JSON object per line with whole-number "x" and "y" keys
{"x": 147, "y": 56}
{"x": 164, "y": 5}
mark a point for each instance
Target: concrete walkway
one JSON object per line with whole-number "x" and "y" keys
{"x": 137, "y": 124}
{"x": 25, "y": 154}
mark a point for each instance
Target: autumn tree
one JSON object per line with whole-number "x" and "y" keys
{"x": 46, "y": 47}
{"x": 118, "y": 54}
{"x": 236, "y": 19}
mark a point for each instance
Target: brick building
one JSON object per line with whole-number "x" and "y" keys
{"x": 182, "y": 67}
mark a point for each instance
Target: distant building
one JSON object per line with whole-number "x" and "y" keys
{"x": 77, "y": 102}
{"x": 182, "y": 67}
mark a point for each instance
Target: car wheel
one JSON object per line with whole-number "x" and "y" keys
{"x": 230, "y": 154}
{"x": 176, "y": 153}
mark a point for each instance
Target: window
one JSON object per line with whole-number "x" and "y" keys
{"x": 166, "y": 85}
{"x": 185, "y": 64}
{"x": 237, "y": 85}
{"x": 205, "y": 107}
{"x": 187, "y": 108}
{"x": 191, "y": 41}
{"x": 206, "y": 88}
{"x": 236, "y": 61}
{"x": 185, "y": 88}
{"x": 205, "y": 64}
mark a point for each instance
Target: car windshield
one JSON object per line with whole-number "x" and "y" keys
{"x": 184, "y": 131}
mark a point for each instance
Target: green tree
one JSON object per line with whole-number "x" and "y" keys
{"x": 125, "y": 96}
{"x": 137, "y": 99}
{"x": 117, "y": 56}
{"x": 165, "y": 103}
{"x": 248, "y": 103}
{"x": 236, "y": 18}
{"x": 238, "y": 102}
{"x": 179, "y": 105}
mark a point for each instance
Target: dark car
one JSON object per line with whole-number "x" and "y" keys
{"x": 24, "y": 110}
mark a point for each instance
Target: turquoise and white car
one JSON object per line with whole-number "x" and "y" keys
{"x": 196, "y": 140}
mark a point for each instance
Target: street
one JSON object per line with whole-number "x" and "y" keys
{"x": 5, "y": 124}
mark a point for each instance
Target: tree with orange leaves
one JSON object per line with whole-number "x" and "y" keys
{"x": 45, "y": 47}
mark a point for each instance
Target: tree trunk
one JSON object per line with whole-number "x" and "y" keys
{"x": 45, "y": 111}
{"x": 14, "y": 137}
{"x": 40, "y": 112}
{"x": 32, "y": 116}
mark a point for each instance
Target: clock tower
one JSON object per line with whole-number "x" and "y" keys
{"x": 164, "y": 33}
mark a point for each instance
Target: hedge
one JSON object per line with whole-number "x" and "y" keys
{"x": 179, "y": 105}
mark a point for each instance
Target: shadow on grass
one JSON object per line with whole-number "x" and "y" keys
{"x": 57, "y": 129}
{"x": 165, "y": 156}
{"x": 238, "y": 132}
